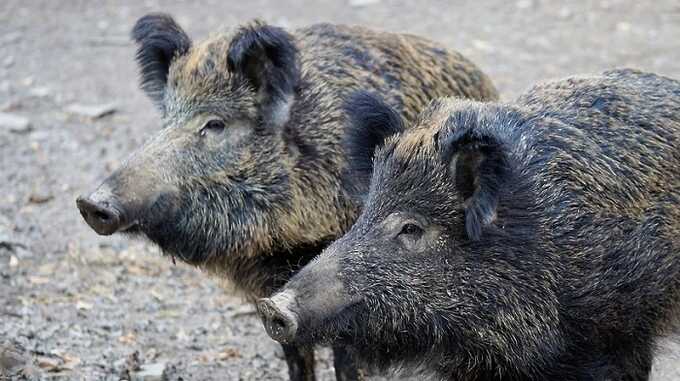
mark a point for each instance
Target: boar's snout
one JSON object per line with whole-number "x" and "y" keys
{"x": 315, "y": 303}
{"x": 279, "y": 321}
{"x": 102, "y": 212}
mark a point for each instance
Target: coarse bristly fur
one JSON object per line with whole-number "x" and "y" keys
{"x": 535, "y": 240}
{"x": 261, "y": 198}
{"x": 244, "y": 179}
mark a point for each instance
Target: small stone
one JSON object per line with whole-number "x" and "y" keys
{"x": 8, "y": 61}
{"x": 565, "y": 13}
{"x": 228, "y": 353}
{"x": 11, "y": 38}
{"x": 92, "y": 111}
{"x": 12, "y": 359}
{"x": 129, "y": 339}
{"x": 150, "y": 372}
{"x": 28, "y": 81}
{"x": 482, "y": 45}
{"x": 48, "y": 363}
{"x": 38, "y": 280}
{"x": 40, "y": 197}
{"x": 83, "y": 305}
{"x": 13, "y": 261}
{"x": 524, "y": 4}
{"x": 70, "y": 362}
{"x": 40, "y": 92}
{"x": 362, "y": 3}
{"x": 14, "y": 123}
{"x": 15, "y": 363}
{"x": 11, "y": 105}
{"x": 623, "y": 27}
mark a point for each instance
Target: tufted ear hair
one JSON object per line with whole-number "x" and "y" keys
{"x": 267, "y": 59}
{"x": 159, "y": 40}
{"x": 370, "y": 122}
{"x": 479, "y": 162}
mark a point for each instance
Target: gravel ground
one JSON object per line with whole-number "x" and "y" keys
{"x": 96, "y": 308}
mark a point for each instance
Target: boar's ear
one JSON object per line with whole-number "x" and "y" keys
{"x": 159, "y": 41}
{"x": 370, "y": 122}
{"x": 479, "y": 162}
{"x": 266, "y": 58}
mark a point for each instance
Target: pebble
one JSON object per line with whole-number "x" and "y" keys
{"x": 11, "y": 38}
{"x": 524, "y": 4}
{"x": 12, "y": 360}
{"x": 483, "y": 46}
{"x": 40, "y": 196}
{"x": 149, "y": 372}
{"x": 362, "y": 3}
{"x": 623, "y": 27}
{"x": 565, "y": 13}
{"x": 8, "y": 61}
{"x": 40, "y": 92}
{"x": 92, "y": 111}
{"x": 14, "y": 123}
{"x": 84, "y": 305}
{"x": 48, "y": 363}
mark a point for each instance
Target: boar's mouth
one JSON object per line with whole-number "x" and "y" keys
{"x": 338, "y": 327}
{"x": 131, "y": 229}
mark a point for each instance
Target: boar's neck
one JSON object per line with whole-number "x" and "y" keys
{"x": 259, "y": 276}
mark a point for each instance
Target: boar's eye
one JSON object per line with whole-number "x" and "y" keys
{"x": 410, "y": 235}
{"x": 411, "y": 230}
{"x": 214, "y": 126}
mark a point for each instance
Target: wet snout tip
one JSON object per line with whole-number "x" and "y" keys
{"x": 279, "y": 321}
{"x": 102, "y": 217}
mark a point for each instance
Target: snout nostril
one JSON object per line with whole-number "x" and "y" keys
{"x": 278, "y": 325}
{"x": 102, "y": 216}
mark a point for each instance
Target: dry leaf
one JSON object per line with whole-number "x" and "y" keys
{"x": 157, "y": 295}
{"x": 83, "y": 305}
{"x": 70, "y": 362}
{"x": 38, "y": 279}
{"x": 49, "y": 364}
{"x": 129, "y": 339}
{"x": 46, "y": 269}
{"x": 138, "y": 270}
{"x": 228, "y": 353}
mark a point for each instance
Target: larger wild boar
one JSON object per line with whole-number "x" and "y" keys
{"x": 536, "y": 240}
{"x": 244, "y": 180}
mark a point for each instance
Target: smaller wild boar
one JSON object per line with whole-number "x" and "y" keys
{"x": 537, "y": 240}
{"x": 244, "y": 180}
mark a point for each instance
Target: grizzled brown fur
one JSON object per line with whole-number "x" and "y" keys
{"x": 245, "y": 178}
{"x": 536, "y": 240}
{"x": 296, "y": 169}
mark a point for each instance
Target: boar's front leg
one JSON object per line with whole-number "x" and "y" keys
{"x": 300, "y": 362}
{"x": 345, "y": 365}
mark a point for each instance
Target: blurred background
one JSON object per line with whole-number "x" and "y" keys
{"x": 92, "y": 308}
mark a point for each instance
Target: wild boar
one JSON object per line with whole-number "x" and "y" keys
{"x": 533, "y": 240}
{"x": 244, "y": 179}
